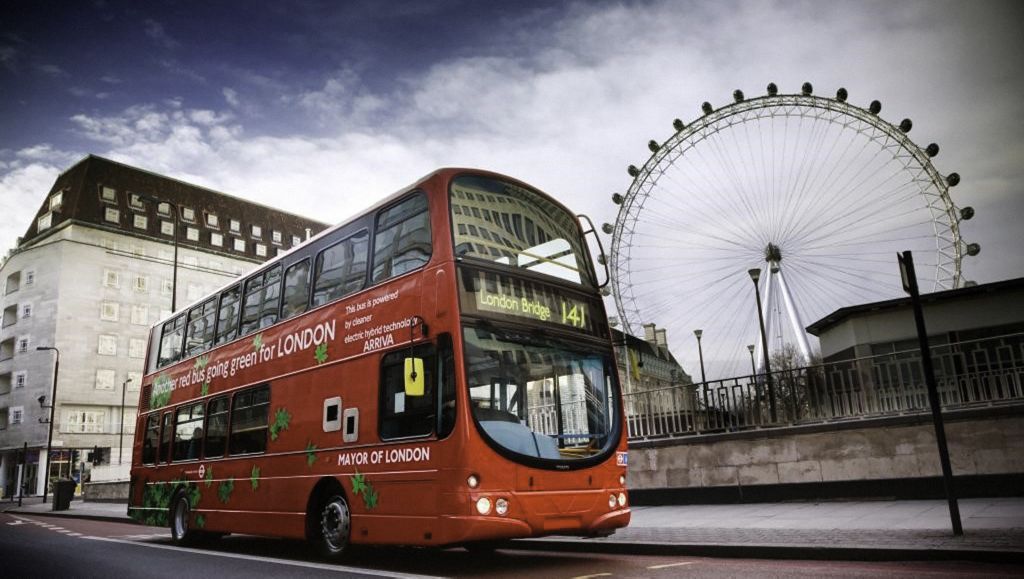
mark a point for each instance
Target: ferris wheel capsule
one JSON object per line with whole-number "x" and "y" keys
{"x": 707, "y": 108}
{"x": 772, "y": 89}
{"x": 737, "y": 95}
{"x": 932, "y": 150}
{"x": 842, "y": 95}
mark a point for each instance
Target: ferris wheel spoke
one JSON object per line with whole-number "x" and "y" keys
{"x": 856, "y": 210}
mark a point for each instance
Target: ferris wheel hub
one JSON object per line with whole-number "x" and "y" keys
{"x": 772, "y": 253}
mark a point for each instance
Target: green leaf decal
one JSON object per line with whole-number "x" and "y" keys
{"x": 257, "y": 342}
{"x": 161, "y": 393}
{"x": 310, "y": 454}
{"x": 254, "y": 478}
{"x": 206, "y": 389}
{"x": 200, "y": 521}
{"x": 281, "y": 421}
{"x": 201, "y": 362}
{"x": 321, "y": 353}
{"x": 224, "y": 490}
{"x": 208, "y": 478}
{"x": 358, "y": 484}
{"x": 362, "y": 487}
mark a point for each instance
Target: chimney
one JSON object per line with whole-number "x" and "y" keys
{"x": 661, "y": 339}
{"x": 308, "y": 233}
{"x": 649, "y": 333}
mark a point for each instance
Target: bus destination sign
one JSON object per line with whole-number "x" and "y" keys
{"x": 523, "y": 299}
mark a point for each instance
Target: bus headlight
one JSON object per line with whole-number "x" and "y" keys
{"x": 622, "y": 499}
{"x": 501, "y": 507}
{"x": 473, "y": 481}
{"x": 483, "y": 505}
{"x": 612, "y": 501}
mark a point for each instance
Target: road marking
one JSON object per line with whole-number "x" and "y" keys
{"x": 16, "y": 523}
{"x": 591, "y": 576}
{"x": 308, "y": 565}
{"x": 74, "y": 534}
{"x": 667, "y": 565}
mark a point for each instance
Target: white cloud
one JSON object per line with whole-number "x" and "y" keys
{"x": 156, "y": 32}
{"x": 577, "y": 102}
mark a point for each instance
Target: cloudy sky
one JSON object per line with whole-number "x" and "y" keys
{"x": 322, "y": 107}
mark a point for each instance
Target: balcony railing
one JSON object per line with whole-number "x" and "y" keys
{"x": 968, "y": 374}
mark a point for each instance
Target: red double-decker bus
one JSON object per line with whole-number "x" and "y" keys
{"x": 436, "y": 371}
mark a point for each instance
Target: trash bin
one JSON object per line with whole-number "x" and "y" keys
{"x": 63, "y": 490}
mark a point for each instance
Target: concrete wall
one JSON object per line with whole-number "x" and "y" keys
{"x": 116, "y": 491}
{"x": 980, "y": 443}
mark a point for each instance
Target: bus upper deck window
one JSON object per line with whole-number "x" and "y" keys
{"x": 172, "y": 335}
{"x": 227, "y": 317}
{"x": 402, "y": 242}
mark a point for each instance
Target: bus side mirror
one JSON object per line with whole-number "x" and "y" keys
{"x": 414, "y": 377}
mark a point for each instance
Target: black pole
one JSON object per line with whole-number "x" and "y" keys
{"x": 764, "y": 347}
{"x": 700, "y": 353}
{"x": 21, "y": 473}
{"x": 909, "y": 277}
{"x": 120, "y": 437}
{"x": 53, "y": 406}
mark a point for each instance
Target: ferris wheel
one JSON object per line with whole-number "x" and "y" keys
{"x": 817, "y": 193}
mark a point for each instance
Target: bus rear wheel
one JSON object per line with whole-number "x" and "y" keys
{"x": 334, "y": 527}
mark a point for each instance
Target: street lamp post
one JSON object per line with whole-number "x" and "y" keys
{"x": 755, "y": 275}
{"x": 753, "y": 366}
{"x": 53, "y": 405}
{"x": 700, "y": 353}
{"x": 120, "y": 438}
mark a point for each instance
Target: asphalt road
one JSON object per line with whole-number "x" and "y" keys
{"x": 39, "y": 546}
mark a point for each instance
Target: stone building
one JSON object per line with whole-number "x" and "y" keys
{"x": 654, "y": 385}
{"x": 112, "y": 249}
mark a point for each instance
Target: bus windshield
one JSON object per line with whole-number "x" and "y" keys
{"x": 540, "y": 398}
{"x": 517, "y": 227}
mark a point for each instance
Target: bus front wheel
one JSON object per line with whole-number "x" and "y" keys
{"x": 335, "y": 525}
{"x": 180, "y": 511}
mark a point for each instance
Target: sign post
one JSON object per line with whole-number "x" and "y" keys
{"x": 909, "y": 279}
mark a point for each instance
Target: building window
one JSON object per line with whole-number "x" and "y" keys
{"x": 55, "y": 200}
{"x": 139, "y": 221}
{"x": 236, "y": 226}
{"x": 296, "y": 240}
{"x": 257, "y": 231}
{"x": 104, "y": 379}
{"x": 212, "y": 221}
{"x": 87, "y": 421}
{"x": 112, "y": 215}
{"x": 111, "y": 278}
{"x": 30, "y": 277}
{"x": 275, "y": 236}
{"x": 136, "y": 348}
{"x": 20, "y": 378}
{"x": 191, "y": 234}
{"x": 166, "y": 287}
{"x": 239, "y": 245}
{"x": 216, "y": 240}
{"x": 140, "y": 315}
{"x": 167, "y": 228}
{"x": 23, "y": 345}
{"x": 26, "y": 311}
{"x": 135, "y": 381}
{"x": 107, "y": 345}
{"x": 188, "y": 214}
{"x": 44, "y": 222}
{"x": 108, "y": 194}
{"x": 109, "y": 311}
{"x": 141, "y": 284}
{"x": 17, "y": 414}
{"x": 261, "y": 250}
{"x": 164, "y": 209}
{"x": 135, "y": 202}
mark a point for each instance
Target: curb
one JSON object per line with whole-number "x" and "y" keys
{"x": 66, "y": 515}
{"x": 806, "y": 552}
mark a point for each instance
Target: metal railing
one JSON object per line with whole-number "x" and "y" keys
{"x": 971, "y": 373}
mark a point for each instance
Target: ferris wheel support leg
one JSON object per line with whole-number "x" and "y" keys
{"x": 766, "y": 300}
{"x": 794, "y": 319}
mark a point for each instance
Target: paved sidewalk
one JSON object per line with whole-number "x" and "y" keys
{"x": 891, "y": 530}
